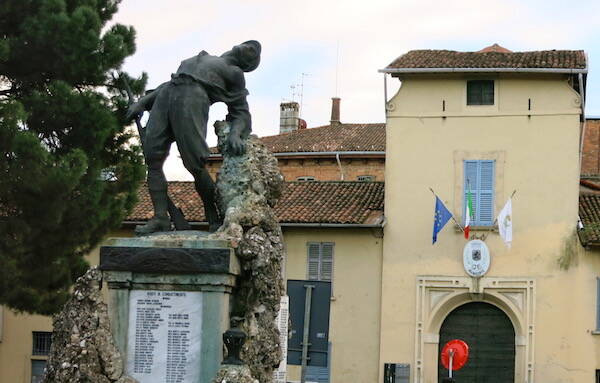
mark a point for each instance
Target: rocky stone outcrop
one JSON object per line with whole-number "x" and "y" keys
{"x": 249, "y": 187}
{"x": 235, "y": 374}
{"x": 83, "y": 349}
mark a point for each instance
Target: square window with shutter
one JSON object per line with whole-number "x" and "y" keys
{"x": 480, "y": 92}
{"x": 320, "y": 261}
{"x": 479, "y": 182}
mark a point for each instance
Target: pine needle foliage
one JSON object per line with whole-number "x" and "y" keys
{"x": 68, "y": 173}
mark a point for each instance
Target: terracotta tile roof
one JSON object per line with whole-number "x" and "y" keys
{"x": 491, "y": 58}
{"x": 301, "y": 202}
{"x": 331, "y": 202}
{"x": 495, "y": 48}
{"x": 329, "y": 138}
{"x": 589, "y": 213}
{"x": 182, "y": 193}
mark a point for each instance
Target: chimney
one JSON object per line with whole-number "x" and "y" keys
{"x": 288, "y": 117}
{"x": 335, "y": 111}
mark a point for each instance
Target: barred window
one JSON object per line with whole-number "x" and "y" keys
{"x": 366, "y": 178}
{"x": 306, "y": 178}
{"x": 41, "y": 343}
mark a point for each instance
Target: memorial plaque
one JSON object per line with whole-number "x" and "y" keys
{"x": 280, "y": 374}
{"x": 165, "y": 329}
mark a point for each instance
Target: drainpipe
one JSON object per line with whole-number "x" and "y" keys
{"x": 582, "y": 138}
{"x": 385, "y": 93}
{"x": 337, "y": 158}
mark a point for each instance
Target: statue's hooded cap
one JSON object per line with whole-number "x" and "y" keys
{"x": 248, "y": 65}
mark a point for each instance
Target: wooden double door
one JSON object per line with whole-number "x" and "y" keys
{"x": 491, "y": 338}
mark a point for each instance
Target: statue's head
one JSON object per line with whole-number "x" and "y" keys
{"x": 248, "y": 55}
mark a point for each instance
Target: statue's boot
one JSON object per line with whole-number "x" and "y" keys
{"x": 160, "y": 221}
{"x": 156, "y": 224}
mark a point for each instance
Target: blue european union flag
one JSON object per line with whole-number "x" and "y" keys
{"x": 440, "y": 218}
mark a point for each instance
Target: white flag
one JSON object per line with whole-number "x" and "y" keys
{"x": 505, "y": 223}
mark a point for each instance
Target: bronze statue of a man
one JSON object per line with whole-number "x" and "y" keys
{"x": 179, "y": 112}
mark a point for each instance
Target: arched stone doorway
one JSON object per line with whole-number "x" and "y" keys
{"x": 491, "y": 338}
{"x": 438, "y": 296}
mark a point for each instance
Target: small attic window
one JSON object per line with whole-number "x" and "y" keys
{"x": 480, "y": 92}
{"x": 306, "y": 178}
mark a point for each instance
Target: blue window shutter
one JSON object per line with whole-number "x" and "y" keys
{"x": 485, "y": 193}
{"x": 480, "y": 178}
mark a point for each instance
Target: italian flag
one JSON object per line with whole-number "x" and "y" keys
{"x": 469, "y": 212}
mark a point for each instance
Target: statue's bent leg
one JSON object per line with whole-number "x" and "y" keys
{"x": 189, "y": 117}
{"x": 156, "y": 149}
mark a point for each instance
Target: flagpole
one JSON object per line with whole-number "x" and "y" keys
{"x": 452, "y": 216}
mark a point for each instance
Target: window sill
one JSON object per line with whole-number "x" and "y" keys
{"x": 595, "y": 332}
{"x": 494, "y": 229}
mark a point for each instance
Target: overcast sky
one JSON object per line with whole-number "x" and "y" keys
{"x": 340, "y": 45}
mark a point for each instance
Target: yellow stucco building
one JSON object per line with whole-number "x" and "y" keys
{"x": 493, "y": 122}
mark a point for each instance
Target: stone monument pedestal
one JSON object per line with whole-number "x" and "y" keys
{"x": 169, "y": 298}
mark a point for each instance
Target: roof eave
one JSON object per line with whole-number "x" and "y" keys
{"x": 374, "y": 153}
{"x": 392, "y": 71}
{"x": 128, "y": 223}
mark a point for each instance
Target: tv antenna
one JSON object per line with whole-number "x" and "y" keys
{"x": 337, "y": 67}
{"x": 302, "y": 91}
{"x": 297, "y": 90}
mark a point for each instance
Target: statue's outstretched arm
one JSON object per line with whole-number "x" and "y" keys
{"x": 241, "y": 124}
{"x": 144, "y": 103}
{"x": 238, "y": 115}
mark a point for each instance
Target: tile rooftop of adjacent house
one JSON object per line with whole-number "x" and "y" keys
{"x": 493, "y": 56}
{"x": 301, "y": 203}
{"x": 589, "y": 211}
{"x": 329, "y": 138}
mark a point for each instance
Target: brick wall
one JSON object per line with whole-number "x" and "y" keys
{"x": 328, "y": 170}
{"x": 323, "y": 169}
{"x": 590, "y": 163}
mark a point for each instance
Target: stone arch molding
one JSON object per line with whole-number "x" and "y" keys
{"x": 438, "y": 296}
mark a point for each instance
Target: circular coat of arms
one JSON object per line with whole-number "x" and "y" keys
{"x": 476, "y": 258}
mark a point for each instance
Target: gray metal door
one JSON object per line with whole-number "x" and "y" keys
{"x": 318, "y": 329}
{"x": 491, "y": 338}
